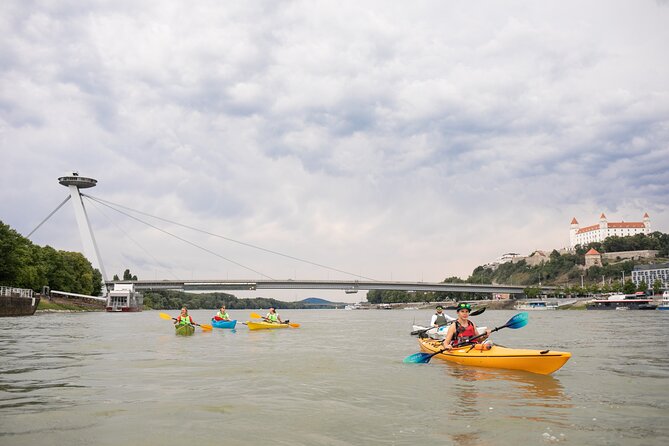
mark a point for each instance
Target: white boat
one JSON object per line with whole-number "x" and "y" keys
{"x": 439, "y": 333}
{"x": 536, "y": 305}
{"x": 664, "y": 303}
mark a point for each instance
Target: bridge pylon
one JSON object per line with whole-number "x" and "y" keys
{"x": 75, "y": 182}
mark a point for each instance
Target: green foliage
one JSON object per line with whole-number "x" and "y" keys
{"x": 657, "y": 286}
{"x": 127, "y": 275}
{"x": 25, "y": 265}
{"x": 174, "y": 300}
{"x": 629, "y": 287}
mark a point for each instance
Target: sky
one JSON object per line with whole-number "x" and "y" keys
{"x": 408, "y": 141}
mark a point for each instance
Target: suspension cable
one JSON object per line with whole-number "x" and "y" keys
{"x": 126, "y": 234}
{"x": 108, "y": 203}
{"x": 49, "y": 216}
{"x": 179, "y": 238}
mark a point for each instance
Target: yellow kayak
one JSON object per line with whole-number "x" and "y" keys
{"x": 261, "y": 325}
{"x": 481, "y": 355}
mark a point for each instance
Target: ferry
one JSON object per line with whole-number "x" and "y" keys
{"x": 536, "y": 305}
{"x": 124, "y": 298}
{"x": 664, "y": 304}
{"x": 623, "y": 302}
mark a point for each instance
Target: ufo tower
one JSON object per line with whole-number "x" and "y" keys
{"x": 74, "y": 183}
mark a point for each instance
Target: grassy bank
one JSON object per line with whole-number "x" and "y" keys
{"x": 56, "y": 304}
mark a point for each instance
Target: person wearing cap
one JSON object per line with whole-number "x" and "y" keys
{"x": 439, "y": 318}
{"x": 462, "y": 330}
{"x": 273, "y": 316}
{"x": 222, "y": 315}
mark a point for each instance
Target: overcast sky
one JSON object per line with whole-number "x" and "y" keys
{"x": 392, "y": 140}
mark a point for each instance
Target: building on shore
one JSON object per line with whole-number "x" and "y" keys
{"x": 602, "y": 230}
{"x": 651, "y": 273}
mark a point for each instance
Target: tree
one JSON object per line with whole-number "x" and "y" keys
{"x": 629, "y": 287}
{"x": 657, "y": 286}
{"x": 643, "y": 286}
{"x": 128, "y": 276}
{"x": 532, "y": 292}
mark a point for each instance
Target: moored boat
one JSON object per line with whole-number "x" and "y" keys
{"x": 184, "y": 330}
{"x": 536, "y": 305}
{"x": 622, "y": 302}
{"x": 223, "y": 324}
{"x": 124, "y": 298}
{"x": 481, "y": 355}
{"x": 664, "y": 303}
{"x": 17, "y": 301}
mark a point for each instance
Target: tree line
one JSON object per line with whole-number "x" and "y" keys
{"x": 174, "y": 300}
{"x": 26, "y": 265}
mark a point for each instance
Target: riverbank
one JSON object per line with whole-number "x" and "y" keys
{"x": 60, "y": 305}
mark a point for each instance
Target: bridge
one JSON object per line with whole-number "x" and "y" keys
{"x": 75, "y": 182}
{"x": 348, "y": 286}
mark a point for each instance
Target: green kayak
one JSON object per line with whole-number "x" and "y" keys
{"x": 185, "y": 330}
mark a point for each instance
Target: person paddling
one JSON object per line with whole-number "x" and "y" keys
{"x": 439, "y": 318}
{"x": 273, "y": 316}
{"x": 184, "y": 318}
{"x": 222, "y": 315}
{"x": 462, "y": 329}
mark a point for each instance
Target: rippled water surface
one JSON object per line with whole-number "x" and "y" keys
{"x": 99, "y": 378}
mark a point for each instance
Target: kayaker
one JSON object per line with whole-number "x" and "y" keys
{"x": 439, "y": 318}
{"x": 184, "y": 318}
{"x": 462, "y": 329}
{"x": 222, "y": 315}
{"x": 273, "y": 316}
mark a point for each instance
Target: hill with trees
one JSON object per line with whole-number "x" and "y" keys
{"x": 564, "y": 270}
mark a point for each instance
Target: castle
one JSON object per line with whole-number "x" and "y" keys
{"x": 598, "y": 232}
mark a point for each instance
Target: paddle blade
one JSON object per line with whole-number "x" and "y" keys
{"x": 256, "y": 316}
{"x": 165, "y": 316}
{"x": 477, "y": 312}
{"x": 206, "y": 327}
{"x": 418, "y": 358}
{"x": 518, "y": 321}
{"x": 294, "y": 325}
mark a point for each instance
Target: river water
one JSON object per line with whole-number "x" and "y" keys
{"x": 126, "y": 379}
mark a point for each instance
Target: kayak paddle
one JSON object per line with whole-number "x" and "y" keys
{"x": 204, "y": 327}
{"x": 257, "y": 316}
{"x": 473, "y": 313}
{"x": 518, "y": 321}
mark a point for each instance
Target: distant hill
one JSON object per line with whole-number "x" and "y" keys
{"x": 319, "y": 301}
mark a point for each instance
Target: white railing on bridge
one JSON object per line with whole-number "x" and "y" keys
{"x": 10, "y": 291}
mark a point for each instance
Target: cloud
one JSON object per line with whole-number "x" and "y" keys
{"x": 414, "y": 142}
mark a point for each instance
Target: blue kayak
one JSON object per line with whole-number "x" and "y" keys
{"x": 223, "y": 324}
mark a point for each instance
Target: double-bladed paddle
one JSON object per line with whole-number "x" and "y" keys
{"x": 257, "y": 316}
{"x": 518, "y": 321}
{"x": 204, "y": 327}
{"x": 424, "y": 330}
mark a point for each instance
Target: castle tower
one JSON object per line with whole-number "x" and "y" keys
{"x": 603, "y": 227}
{"x": 573, "y": 230}
{"x": 646, "y": 223}
{"x": 74, "y": 183}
